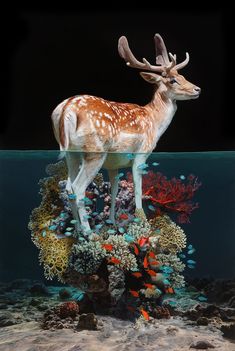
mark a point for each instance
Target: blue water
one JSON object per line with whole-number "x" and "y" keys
{"x": 211, "y": 231}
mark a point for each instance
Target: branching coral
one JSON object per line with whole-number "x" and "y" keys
{"x": 140, "y": 229}
{"x": 175, "y": 266}
{"x": 171, "y": 238}
{"x": 87, "y": 257}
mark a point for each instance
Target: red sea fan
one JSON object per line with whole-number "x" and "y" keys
{"x": 172, "y": 195}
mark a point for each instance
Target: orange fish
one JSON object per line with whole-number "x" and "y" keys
{"x": 170, "y": 290}
{"x": 131, "y": 309}
{"x": 134, "y": 293}
{"x": 107, "y": 247}
{"x": 136, "y": 250}
{"x": 149, "y": 286}
{"x": 123, "y": 216}
{"x": 114, "y": 260}
{"x": 146, "y": 262}
{"x": 137, "y": 274}
{"x": 151, "y": 272}
{"x": 152, "y": 254}
{"x": 142, "y": 241}
{"x": 145, "y": 314}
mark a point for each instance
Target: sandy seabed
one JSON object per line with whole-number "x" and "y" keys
{"x": 114, "y": 334}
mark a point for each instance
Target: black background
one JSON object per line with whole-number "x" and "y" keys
{"x": 53, "y": 54}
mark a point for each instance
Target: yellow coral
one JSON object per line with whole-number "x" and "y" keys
{"x": 54, "y": 253}
{"x": 172, "y": 238}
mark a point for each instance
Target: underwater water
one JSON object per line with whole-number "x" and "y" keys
{"x": 189, "y": 202}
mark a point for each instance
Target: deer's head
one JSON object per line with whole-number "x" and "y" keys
{"x": 165, "y": 73}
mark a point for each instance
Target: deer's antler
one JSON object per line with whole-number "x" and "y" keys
{"x": 163, "y": 64}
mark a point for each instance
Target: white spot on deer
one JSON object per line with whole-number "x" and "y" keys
{"x": 98, "y": 123}
{"x": 100, "y": 114}
{"x": 103, "y": 123}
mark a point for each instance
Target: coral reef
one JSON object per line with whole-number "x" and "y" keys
{"x": 173, "y": 265}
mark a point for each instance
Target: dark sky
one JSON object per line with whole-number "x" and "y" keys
{"x": 54, "y": 55}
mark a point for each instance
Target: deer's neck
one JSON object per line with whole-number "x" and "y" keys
{"x": 162, "y": 110}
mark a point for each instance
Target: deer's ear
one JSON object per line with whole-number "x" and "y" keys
{"x": 151, "y": 77}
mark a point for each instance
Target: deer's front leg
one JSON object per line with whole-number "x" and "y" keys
{"x": 137, "y": 179}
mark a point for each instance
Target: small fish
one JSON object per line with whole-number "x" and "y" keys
{"x": 169, "y": 290}
{"x": 152, "y": 254}
{"x": 44, "y": 233}
{"x": 121, "y": 230}
{"x": 136, "y": 220}
{"x": 95, "y": 213}
{"x": 80, "y": 297}
{"x": 85, "y": 217}
{"x": 111, "y": 231}
{"x": 151, "y": 272}
{"x": 167, "y": 269}
{"x": 131, "y": 309}
{"x": 108, "y": 221}
{"x": 190, "y": 252}
{"x": 136, "y": 250}
{"x": 145, "y": 263}
{"x": 152, "y": 208}
{"x": 134, "y": 293}
{"x": 98, "y": 226}
{"x": 72, "y": 196}
{"x": 130, "y": 156}
{"x": 69, "y": 229}
{"x": 155, "y": 164}
{"x": 68, "y": 233}
{"x": 191, "y": 266}
{"x": 190, "y": 247}
{"x": 143, "y": 166}
{"x": 137, "y": 274}
{"x": 128, "y": 238}
{"x": 182, "y": 256}
{"x": 89, "y": 231}
{"x": 158, "y": 231}
{"x": 166, "y": 282}
{"x": 145, "y": 314}
{"x": 114, "y": 260}
{"x": 142, "y": 241}
{"x": 60, "y": 236}
{"x": 202, "y": 298}
{"x": 144, "y": 172}
{"x": 62, "y": 215}
{"x": 182, "y": 177}
{"x": 120, "y": 175}
{"x": 52, "y": 227}
{"x": 123, "y": 216}
{"x": 87, "y": 201}
{"x": 149, "y": 286}
{"x": 171, "y": 302}
{"x": 107, "y": 247}
{"x": 191, "y": 262}
{"x": 74, "y": 221}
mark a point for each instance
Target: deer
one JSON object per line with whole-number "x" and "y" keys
{"x": 95, "y": 133}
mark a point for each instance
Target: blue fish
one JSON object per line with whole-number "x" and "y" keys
{"x": 182, "y": 177}
{"x": 52, "y": 227}
{"x": 95, "y": 213}
{"x": 130, "y": 156}
{"x": 143, "y": 166}
{"x": 87, "y": 201}
{"x": 151, "y": 207}
{"x": 190, "y": 247}
{"x": 190, "y": 252}
{"x": 74, "y": 221}
{"x": 89, "y": 231}
{"x": 44, "y": 233}
{"x": 98, "y": 226}
{"x": 158, "y": 291}
{"x": 69, "y": 229}
{"x": 108, "y": 221}
{"x": 191, "y": 262}
{"x": 202, "y": 298}
{"x": 111, "y": 231}
{"x": 129, "y": 238}
{"x": 167, "y": 269}
{"x": 80, "y": 296}
{"x": 145, "y": 172}
{"x": 62, "y": 215}
{"x": 137, "y": 220}
{"x": 60, "y": 236}
{"x": 121, "y": 230}
{"x": 182, "y": 256}
{"x": 72, "y": 196}
{"x": 155, "y": 164}
{"x": 85, "y": 217}
{"x": 68, "y": 233}
{"x": 191, "y": 266}
{"x": 166, "y": 282}
{"x": 119, "y": 175}
{"x": 172, "y": 303}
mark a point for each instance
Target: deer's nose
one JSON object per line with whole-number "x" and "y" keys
{"x": 197, "y": 90}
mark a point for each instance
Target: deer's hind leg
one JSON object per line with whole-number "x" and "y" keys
{"x": 90, "y": 166}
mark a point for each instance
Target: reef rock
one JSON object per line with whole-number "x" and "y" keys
{"x": 228, "y": 331}
{"x": 7, "y": 319}
{"x": 202, "y": 345}
{"x": 88, "y": 321}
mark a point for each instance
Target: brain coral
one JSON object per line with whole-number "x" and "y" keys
{"x": 171, "y": 238}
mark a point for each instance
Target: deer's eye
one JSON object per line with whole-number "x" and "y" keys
{"x": 173, "y": 80}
